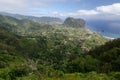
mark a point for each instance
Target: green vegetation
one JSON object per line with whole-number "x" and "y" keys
{"x": 33, "y": 51}
{"x": 108, "y": 55}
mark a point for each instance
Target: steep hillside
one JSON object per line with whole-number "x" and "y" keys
{"x": 109, "y": 55}
{"x": 21, "y": 26}
{"x": 10, "y": 59}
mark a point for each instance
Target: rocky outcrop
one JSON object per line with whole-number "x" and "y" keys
{"x": 72, "y": 22}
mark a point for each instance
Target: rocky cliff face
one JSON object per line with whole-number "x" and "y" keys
{"x": 72, "y": 22}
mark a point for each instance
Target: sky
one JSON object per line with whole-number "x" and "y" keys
{"x": 87, "y": 9}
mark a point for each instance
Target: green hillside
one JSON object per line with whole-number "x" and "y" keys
{"x": 34, "y": 51}
{"x": 109, "y": 55}
{"x": 21, "y": 27}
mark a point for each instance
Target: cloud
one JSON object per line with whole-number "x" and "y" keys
{"x": 22, "y": 3}
{"x": 57, "y": 0}
{"x": 108, "y": 12}
{"x": 27, "y": 7}
{"x": 113, "y": 9}
{"x": 43, "y": 3}
{"x": 13, "y": 6}
{"x": 110, "y": 9}
{"x": 87, "y": 12}
{"x": 38, "y": 7}
{"x": 77, "y": 13}
{"x": 11, "y": 3}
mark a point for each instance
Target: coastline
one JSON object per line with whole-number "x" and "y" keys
{"x": 108, "y": 37}
{"x": 91, "y": 31}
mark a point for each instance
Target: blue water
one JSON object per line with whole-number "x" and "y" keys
{"x": 105, "y": 28}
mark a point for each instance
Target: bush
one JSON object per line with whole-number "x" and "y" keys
{"x": 115, "y": 75}
{"x": 3, "y": 64}
{"x": 96, "y": 76}
{"x": 19, "y": 72}
{"x": 58, "y": 73}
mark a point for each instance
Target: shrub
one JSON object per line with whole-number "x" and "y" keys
{"x": 3, "y": 64}
{"x": 19, "y": 72}
{"x": 58, "y": 73}
{"x": 115, "y": 75}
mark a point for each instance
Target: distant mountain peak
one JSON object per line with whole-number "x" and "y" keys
{"x": 72, "y": 22}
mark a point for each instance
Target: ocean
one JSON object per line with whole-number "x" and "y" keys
{"x": 106, "y": 28}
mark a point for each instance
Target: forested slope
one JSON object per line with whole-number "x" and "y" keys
{"x": 34, "y": 51}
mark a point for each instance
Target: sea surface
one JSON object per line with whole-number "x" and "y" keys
{"x": 106, "y": 28}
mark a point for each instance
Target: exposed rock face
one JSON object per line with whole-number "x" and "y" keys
{"x": 71, "y": 22}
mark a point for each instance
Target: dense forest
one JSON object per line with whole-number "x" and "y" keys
{"x": 34, "y": 51}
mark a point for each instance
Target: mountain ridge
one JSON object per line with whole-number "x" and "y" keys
{"x": 43, "y": 19}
